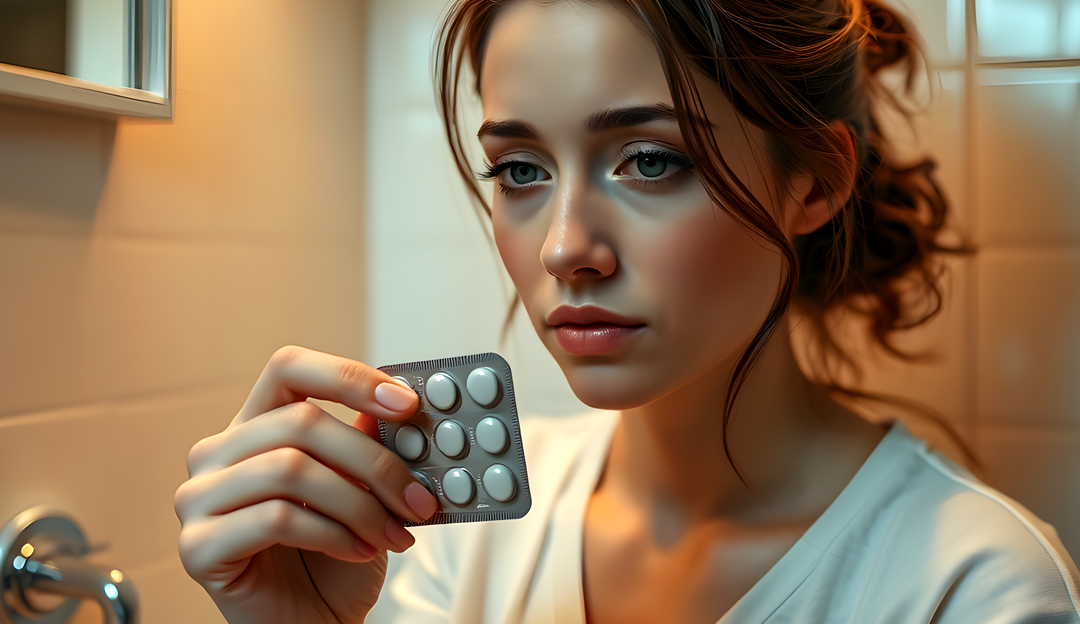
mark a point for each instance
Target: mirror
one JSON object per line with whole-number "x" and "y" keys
{"x": 103, "y": 56}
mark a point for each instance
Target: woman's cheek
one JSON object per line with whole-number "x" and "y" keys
{"x": 520, "y": 254}
{"x": 716, "y": 279}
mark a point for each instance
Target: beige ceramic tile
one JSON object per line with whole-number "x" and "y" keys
{"x": 113, "y": 465}
{"x": 223, "y": 172}
{"x": 88, "y": 321}
{"x": 939, "y": 375}
{"x": 939, "y": 378}
{"x": 41, "y": 323}
{"x": 269, "y": 56}
{"x": 267, "y": 139}
{"x": 1028, "y": 29}
{"x": 935, "y": 128}
{"x": 1040, "y": 468}
{"x": 52, "y": 170}
{"x": 940, "y": 24}
{"x": 1028, "y": 146}
{"x": 1029, "y": 338}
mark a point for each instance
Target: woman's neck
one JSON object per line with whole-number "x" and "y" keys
{"x": 796, "y": 447}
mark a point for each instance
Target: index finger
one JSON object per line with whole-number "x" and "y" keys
{"x": 295, "y": 374}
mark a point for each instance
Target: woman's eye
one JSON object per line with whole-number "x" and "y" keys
{"x": 524, "y": 174}
{"x": 515, "y": 176}
{"x": 652, "y": 165}
{"x": 646, "y": 168}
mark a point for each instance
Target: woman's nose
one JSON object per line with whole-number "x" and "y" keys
{"x": 578, "y": 245}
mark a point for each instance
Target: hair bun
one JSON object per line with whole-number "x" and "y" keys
{"x": 887, "y": 39}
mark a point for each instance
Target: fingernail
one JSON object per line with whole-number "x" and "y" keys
{"x": 397, "y": 535}
{"x": 420, "y": 500}
{"x": 394, "y": 397}
{"x": 365, "y": 549}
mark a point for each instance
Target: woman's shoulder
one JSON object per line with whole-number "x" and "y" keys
{"x": 983, "y": 549}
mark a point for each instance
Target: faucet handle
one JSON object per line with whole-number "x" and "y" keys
{"x": 42, "y": 552}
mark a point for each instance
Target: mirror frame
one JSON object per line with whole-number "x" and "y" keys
{"x": 149, "y": 72}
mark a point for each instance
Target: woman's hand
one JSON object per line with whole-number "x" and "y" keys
{"x": 288, "y": 513}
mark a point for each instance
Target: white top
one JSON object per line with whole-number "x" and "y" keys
{"x": 913, "y": 538}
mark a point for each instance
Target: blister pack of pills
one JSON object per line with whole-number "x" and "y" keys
{"x": 464, "y": 442}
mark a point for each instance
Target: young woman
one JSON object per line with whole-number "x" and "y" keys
{"x": 675, "y": 181}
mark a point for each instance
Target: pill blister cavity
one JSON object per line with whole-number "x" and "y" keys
{"x": 458, "y": 486}
{"x": 410, "y": 443}
{"x": 404, "y": 382}
{"x": 450, "y": 438}
{"x": 499, "y": 483}
{"x": 492, "y": 436}
{"x": 424, "y": 481}
{"x": 483, "y": 386}
{"x": 442, "y": 392}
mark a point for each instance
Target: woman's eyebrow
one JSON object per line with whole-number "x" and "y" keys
{"x": 598, "y": 122}
{"x": 612, "y": 118}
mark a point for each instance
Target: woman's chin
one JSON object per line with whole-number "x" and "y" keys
{"x": 607, "y": 389}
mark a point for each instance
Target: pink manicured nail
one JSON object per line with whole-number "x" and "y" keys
{"x": 365, "y": 549}
{"x": 420, "y": 500}
{"x": 397, "y": 534}
{"x": 394, "y": 397}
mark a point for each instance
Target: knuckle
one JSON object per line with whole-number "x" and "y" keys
{"x": 200, "y": 453}
{"x": 280, "y": 516}
{"x": 354, "y": 374}
{"x": 368, "y": 512}
{"x": 284, "y": 356}
{"x": 290, "y": 464}
{"x": 303, "y": 417}
{"x": 181, "y": 500}
{"x": 194, "y": 546}
{"x": 384, "y": 466}
{"x": 189, "y": 549}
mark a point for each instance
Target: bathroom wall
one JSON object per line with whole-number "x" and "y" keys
{"x": 148, "y": 269}
{"x": 303, "y": 194}
{"x": 1001, "y": 115}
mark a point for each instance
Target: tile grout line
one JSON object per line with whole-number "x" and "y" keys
{"x": 971, "y": 44}
{"x": 73, "y": 411}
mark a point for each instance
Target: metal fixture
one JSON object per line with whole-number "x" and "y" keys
{"x": 44, "y": 574}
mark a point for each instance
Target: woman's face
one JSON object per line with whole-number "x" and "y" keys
{"x": 635, "y": 281}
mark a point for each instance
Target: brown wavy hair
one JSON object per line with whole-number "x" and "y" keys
{"x": 791, "y": 68}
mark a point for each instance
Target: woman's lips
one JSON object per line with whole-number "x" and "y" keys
{"x": 594, "y": 338}
{"x": 589, "y": 330}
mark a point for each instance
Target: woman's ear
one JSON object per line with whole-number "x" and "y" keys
{"x": 811, "y": 207}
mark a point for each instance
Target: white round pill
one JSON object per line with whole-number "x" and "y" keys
{"x": 491, "y": 435}
{"x": 483, "y": 386}
{"x": 442, "y": 392}
{"x": 410, "y": 442}
{"x": 458, "y": 486}
{"x": 450, "y": 438}
{"x": 499, "y": 483}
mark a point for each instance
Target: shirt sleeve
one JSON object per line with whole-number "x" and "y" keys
{"x": 1010, "y": 588}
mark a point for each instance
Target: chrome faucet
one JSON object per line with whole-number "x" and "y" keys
{"x": 44, "y": 574}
